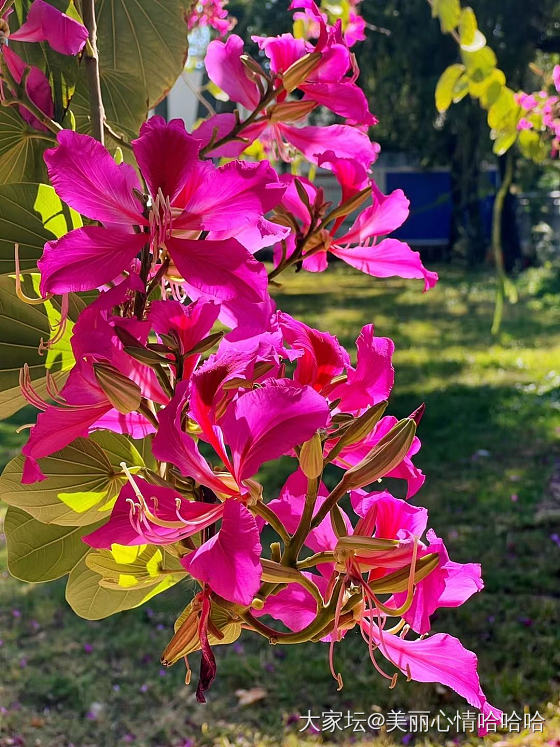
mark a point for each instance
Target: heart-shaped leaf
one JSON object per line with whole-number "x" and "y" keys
{"x": 41, "y": 552}
{"x": 92, "y": 601}
{"x": 82, "y": 481}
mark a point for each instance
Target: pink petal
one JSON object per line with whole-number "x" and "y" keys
{"x": 372, "y": 379}
{"x": 46, "y": 23}
{"x": 87, "y": 258}
{"x": 229, "y": 562}
{"x": 171, "y": 444}
{"x": 343, "y": 141}
{"x": 225, "y": 69}
{"x": 386, "y": 516}
{"x": 191, "y": 323}
{"x": 86, "y": 177}
{"x": 294, "y": 605}
{"x": 386, "y": 214}
{"x": 219, "y": 270}
{"x": 268, "y": 422}
{"x": 439, "y": 658}
{"x": 282, "y": 51}
{"x": 231, "y": 198}
{"x": 344, "y": 99}
{"x": 351, "y": 175}
{"x": 37, "y": 87}
{"x": 167, "y": 155}
{"x": 56, "y": 427}
{"x": 323, "y": 356}
{"x": 214, "y": 129}
{"x": 387, "y": 259}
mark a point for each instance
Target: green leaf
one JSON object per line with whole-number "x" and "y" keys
{"x": 446, "y": 86}
{"x": 21, "y": 149}
{"x": 92, "y": 601}
{"x": 489, "y": 90}
{"x": 467, "y": 27}
{"x": 532, "y": 145}
{"x": 140, "y": 567}
{"x": 480, "y": 64}
{"x": 30, "y": 215}
{"x": 448, "y": 12}
{"x": 22, "y": 327}
{"x": 504, "y": 112}
{"x": 144, "y": 38}
{"x": 503, "y": 140}
{"x": 124, "y": 99}
{"x": 82, "y": 480}
{"x": 41, "y": 552}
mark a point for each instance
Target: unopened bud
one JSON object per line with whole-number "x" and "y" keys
{"x": 186, "y": 639}
{"x": 291, "y": 111}
{"x": 122, "y": 393}
{"x": 311, "y": 457}
{"x": 206, "y": 344}
{"x": 145, "y": 356}
{"x": 385, "y": 456}
{"x": 418, "y": 413}
{"x": 396, "y": 582}
{"x": 300, "y": 70}
{"x": 349, "y": 206}
{"x": 359, "y": 428}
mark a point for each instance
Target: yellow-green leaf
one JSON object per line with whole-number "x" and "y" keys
{"x": 448, "y": 12}
{"x": 22, "y": 328}
{"x": 140, "y": 567}
{"x": 82, "y": 481}
{"x": 41, "y": 552}
{"x": 92, "y": 601}
{"x": 446, "y": 86}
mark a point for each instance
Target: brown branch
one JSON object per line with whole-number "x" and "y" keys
{"x": 97, "y": 112}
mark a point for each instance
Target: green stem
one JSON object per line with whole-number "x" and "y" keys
{"x": 497, "y": 248}
{"x": 262, "y": 510}
{"x": 295, "y": 544}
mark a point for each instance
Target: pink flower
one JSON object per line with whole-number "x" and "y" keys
{"x": 185, "y": 201}
{"x": 153, "y": 514}
{"x": 211, "y": 13}
{"x": 363, "y": 246}
{"x": 325, "y": 365}
{"x": 556, "y": 77}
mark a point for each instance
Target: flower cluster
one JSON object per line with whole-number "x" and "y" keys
{"x": 183, "y": 348}
{"x": 212, "y": 13}
{"x": 541, "y": 112}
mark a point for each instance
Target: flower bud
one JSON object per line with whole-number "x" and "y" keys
{"x": 394, "y": 583}
{"x": 122, "y": 393}
{"x": 299, "y": 71}
{"x": 311, "y": 457}
{"x": 385, "y": 456}
{"x": 291, "y": 111}
{"x": 358, "y": 428}
{"x": 223, "y": 627}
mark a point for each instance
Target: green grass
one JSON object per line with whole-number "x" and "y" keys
{"x": 489, "y": 448}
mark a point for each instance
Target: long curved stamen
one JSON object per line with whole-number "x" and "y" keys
{"x": 60, "y": 327}
{"x": 397, "y": 612}
{"x": 19, "y": 290}
{"x": 336, "y": 637}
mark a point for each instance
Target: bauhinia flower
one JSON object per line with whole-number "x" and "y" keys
{"x": 186, "y": 197}
{"x": 365, "y": 244}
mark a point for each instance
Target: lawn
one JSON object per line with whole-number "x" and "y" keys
{"x": 490, "y": 452}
